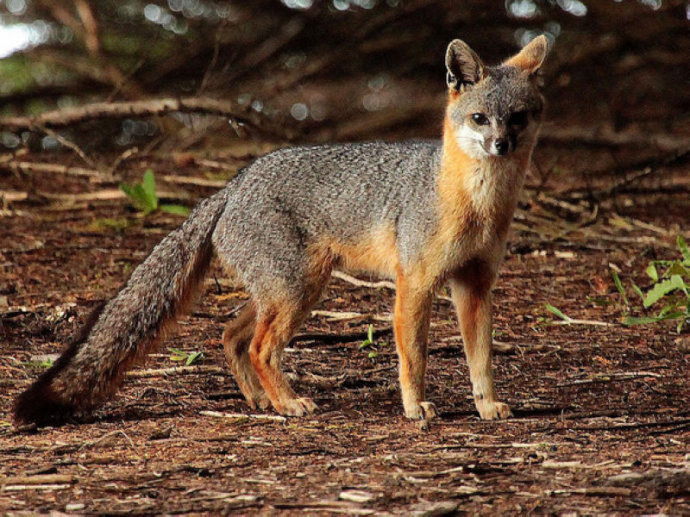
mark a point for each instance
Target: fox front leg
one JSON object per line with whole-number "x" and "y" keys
{"x": 471, "y": 291}
{"x": 411, "y": 327}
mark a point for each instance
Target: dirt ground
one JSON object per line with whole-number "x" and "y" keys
{"x": 602, "y": 421}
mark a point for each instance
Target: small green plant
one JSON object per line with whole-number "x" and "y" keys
{"x": 189, "y": 358}
{"x": 43, "y": 363}
{"x": 370, "y": 342}
{"x": 119, "y": 224}
{"x": 143, "y": 196}
{"x": 670, "y": 290}
{"x": 556, "y": 311}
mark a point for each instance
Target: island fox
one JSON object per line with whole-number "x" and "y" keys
{"x": 423, "y": 213}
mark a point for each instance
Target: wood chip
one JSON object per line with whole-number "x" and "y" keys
{"x": 357, "y": 496}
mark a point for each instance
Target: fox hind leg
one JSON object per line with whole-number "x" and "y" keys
{"x": 276, "y": 323}
{"x": 274, "y": 328}
{"x": 236, "y": 339}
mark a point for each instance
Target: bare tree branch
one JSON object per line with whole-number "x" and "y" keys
{"x": 118, "y": 110}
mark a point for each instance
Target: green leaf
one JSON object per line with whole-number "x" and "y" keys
{"x": 638, "y": 290}
{"x": 683, "y": 249}
{"x": 138, "y": 197}
{"x": 117, "y": 224}
{"x": 193, "y": 357}
{"x": 677, "y": 268}
{"x": 619, "y": 286}
{"x": 372, "y": 355}
{"x": 558, "y": 313}
{"x": 189, "y": 358}
{"x": 175, "y": 209}
{"x": 662, "y": 288}
{"x": 177, "y": 354}
{"x": 631, "y": 320}
{"x": 652, "y": 272}
{"x": 148, "y": 184}
{"x": 370, "y": 338}
{"x": 143, "y": 195}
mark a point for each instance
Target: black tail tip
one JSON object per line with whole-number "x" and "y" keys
{"x": 41, "y": 406}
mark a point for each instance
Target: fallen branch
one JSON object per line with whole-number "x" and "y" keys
{"x": 176, "y": 370}
{"x": 92, "y": 174}
{"x": 632, "y": 425}
{"x": 7, "y": 196}
{"x": 104, "y": 195}
{"x": 199, "y": 182}
{"x": 118, "y": 110}
{"x": 383, "y": 284}
{"x": 39, "y": 479}
{"x": 609, "y": 491}
{"x": 341, "y": 338}
{"x": 105, "y": 438}
{"x": 243, "y": 416}
{"x": 574, "y": 321}
{"x": 610, "y": 377}
{"x": 345, "y": 316}
{"x": 22, "y": 488}
{"x": 513, "y": 445}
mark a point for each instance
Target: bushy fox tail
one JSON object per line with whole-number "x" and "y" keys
{"x": 129, "y": 326}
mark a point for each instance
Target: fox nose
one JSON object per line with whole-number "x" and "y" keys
{"x": 501, "y": 145}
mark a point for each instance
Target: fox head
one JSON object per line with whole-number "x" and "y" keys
{"x": 494, "y": 111}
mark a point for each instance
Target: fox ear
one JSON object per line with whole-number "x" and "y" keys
{"x": 463, "y": 65}
{"x": 531, "y": 57}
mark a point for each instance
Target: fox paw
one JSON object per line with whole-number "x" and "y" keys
{"x": 493, "y": 410}
{"x": 421, "y": 411}
{"x": 258, "y": 400}
{"x": 297, "y": 407}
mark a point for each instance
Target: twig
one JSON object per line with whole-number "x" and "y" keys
{"x": 214, "y": 58}
{"x": 94, "y": 175}
{"x": 91, "y": 35}
{"x": 104, "y": 195}
{"x": 340, "y": 338}
{"x": 8, "y": 196}
{"x": 593, "y": 491}
{"x": 71, "y": 145}
{"x": 200, "y": 182}
{"x": 632, "y": 425}
{"x": 514, "y": 445}
{"x": 573, "y": 321}
{"x": 21, "y": 488}
{"x": 241, "y": 416}
{"x": 39, "y": 479}
{"x": 176, "y": 370}
{"x": 343, "y": 316}
{"x": 610, "y": 377}
{"x": 627, "y": 180}
{"x": 259, "y": 54}
{"x": 383, "y": 284}
{"x": 105, "y": 437}
{"x": 126, "y": 155}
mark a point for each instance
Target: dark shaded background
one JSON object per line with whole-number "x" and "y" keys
{"x": 342, "y": 69}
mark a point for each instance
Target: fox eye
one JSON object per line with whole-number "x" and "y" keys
{"x": 480, "y": 119}
{"x": 519, "y": 118}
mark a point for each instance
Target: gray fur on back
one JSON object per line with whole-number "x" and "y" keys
{"x": 283, "y": 201}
